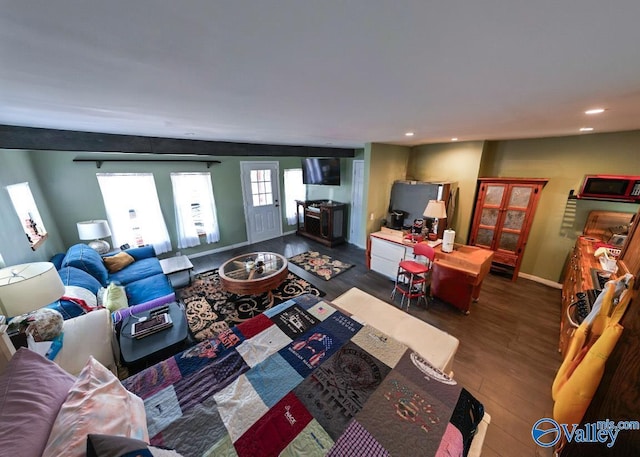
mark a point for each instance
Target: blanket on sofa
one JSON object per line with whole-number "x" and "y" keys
{"x": 304, "y": 379}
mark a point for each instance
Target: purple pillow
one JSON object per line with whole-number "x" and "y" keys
{"x": 32, "y": 389}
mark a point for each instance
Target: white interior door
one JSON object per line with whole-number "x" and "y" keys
{"x": 357, "y": 197}
{"x": 261, "y": 195}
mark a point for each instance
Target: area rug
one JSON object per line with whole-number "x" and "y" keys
{"x": 210, "y": 310}
{"x": 320, "y": 265}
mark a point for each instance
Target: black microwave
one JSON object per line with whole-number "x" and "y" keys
{"x": 611, "y": 187}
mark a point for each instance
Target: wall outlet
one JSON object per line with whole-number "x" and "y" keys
{"x": 371, "y": 216}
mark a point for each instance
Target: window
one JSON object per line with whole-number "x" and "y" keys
{"x": 133, "y": 210}
{"x": 294, "y": 190}
{"x": 195, "y": 208}
{"x": 261, "y": 187}
{"x": 28, "y": 213}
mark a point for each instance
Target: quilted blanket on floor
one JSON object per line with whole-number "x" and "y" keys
{"x": 304, "y": 379}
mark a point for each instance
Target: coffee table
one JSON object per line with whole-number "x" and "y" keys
{"x": 146, "y": 351}
{"x": 253, "y": 273}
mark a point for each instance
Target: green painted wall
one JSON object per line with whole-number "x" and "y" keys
{"x": 74, "y": 195}
{"x": 457, "y": 162}
{"x": 564, "y": 161}
{"x": 384, "y": 164}
{"x": 15, "y": 167}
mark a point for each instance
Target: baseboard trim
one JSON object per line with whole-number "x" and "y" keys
{"x": 546, "y": 282}
{"x": 214, "y": 251}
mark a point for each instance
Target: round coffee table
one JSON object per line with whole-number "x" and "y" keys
{"x": 253, "y": 273}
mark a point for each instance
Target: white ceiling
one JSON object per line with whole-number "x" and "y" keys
{"x": 330, "y": 72}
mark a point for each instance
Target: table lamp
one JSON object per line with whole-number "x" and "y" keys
{"x": 435, "y": 210}
{"x": 94, "y": 230}
{"x": 24, "y": 288}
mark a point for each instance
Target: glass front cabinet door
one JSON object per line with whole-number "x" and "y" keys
{"x": 502, "y": 218}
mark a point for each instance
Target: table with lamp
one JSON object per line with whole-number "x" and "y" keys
{"x": 94, "y": 230}
{"x": 31, "y": 286}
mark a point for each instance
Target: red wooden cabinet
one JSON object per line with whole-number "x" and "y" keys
{"x": 503, "y": 216}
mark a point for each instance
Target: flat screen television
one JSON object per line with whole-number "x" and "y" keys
{"x": 321, "y": 171}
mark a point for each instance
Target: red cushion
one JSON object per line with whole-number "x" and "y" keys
{"x": 414, "y": 267}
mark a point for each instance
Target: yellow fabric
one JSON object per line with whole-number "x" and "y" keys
{"x": 583, "y": 366}
{"x": 576, "y": 393}
{"x": 117, "y": 262}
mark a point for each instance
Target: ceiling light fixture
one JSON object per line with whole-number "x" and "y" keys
{"x": 586, "y": 129}
{"x": 594, "y": 111}
{"x": 408, "y": 134}
{"x": 454, "y": 139}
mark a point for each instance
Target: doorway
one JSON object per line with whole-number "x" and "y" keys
{"x": 261, "y": 197}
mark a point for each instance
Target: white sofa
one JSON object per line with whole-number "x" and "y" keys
{"x": 85, "y": 335}
{"x": 433, "y": 344}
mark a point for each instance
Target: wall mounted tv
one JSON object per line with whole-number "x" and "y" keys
{"x": 321, "y": 171}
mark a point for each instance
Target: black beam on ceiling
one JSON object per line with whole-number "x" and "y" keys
{"x": 32, "y": 138}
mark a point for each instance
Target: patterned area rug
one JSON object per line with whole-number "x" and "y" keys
{"x": 210, "y": 309}
{"x": 322, "y": 266}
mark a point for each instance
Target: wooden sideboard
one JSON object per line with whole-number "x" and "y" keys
{"x": 456, "y": 277}
{"x": 322, "y": 220}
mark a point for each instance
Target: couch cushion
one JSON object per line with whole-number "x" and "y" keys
{"x": 144, "y": 252}
{"x": 83, "y": 257}
{"x": 72, "y": 276}
{"x": 96, "y": 403}
{"x": 32, "y": 389}
{"x": 89, "y": 334}
{"x": 137, "y": 270}
{"x": 57, "y": 260}
{"x": 147, "y": 289}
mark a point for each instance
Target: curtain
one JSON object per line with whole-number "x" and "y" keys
{"x": 133, "y": 210}
{"x": 195, "y": 208}
{"x": 294, "y": 190}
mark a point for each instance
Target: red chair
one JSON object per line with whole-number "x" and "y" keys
{"x": 413, "y": 276}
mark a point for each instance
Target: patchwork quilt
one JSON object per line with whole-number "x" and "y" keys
{"x": 304, "y": 379}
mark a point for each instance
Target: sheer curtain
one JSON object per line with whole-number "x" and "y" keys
{"x": 294, "y": 190}
{"x": 133, "y": 210}
{"x": 195, "y": 208}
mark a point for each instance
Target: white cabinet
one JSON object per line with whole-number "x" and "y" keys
{"x": 385, "y": 256}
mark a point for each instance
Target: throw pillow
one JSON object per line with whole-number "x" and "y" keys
{"x": 84, "y": 298}
{"x": 118, "y": 262}
{"x": 118, "y": 446}
{"x": 114, "y": 298}
{"x": 32, "y": 389}
{"x": 96, "y": 403}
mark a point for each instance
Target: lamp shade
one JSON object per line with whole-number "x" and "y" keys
{"x": 93, "y": 230}
{"x": 435, "y": 209}
{"x": 29, "y": 286}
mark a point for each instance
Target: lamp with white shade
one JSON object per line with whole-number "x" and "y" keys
{"x": 94, "y": 230}
{"x": 434, "y": 211}
{"x": 25, "y": 288}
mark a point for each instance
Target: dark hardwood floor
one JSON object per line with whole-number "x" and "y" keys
{"x": 508, "y": 344}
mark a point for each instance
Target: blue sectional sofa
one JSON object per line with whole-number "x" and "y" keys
{"x": 81, "y": 266}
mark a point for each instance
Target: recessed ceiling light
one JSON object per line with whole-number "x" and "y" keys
{"x": 408, "y": 134}
{"x": 586, "y": 129}
{"x": 594, "y": 111}
{"x": 454, "y": 139}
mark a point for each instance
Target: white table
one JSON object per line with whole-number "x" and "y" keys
{"x": 178, "y": 270}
